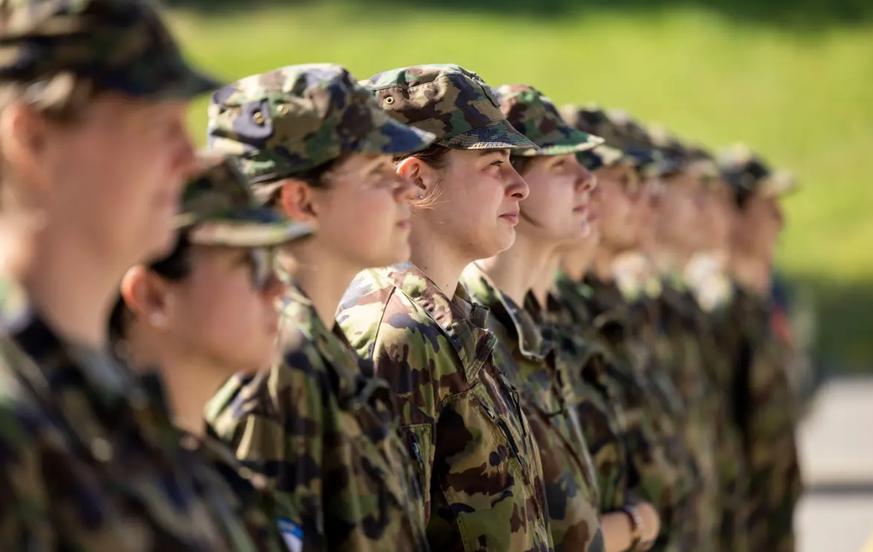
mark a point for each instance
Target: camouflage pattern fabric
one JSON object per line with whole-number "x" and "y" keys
{"x": 293, "y": 119}
{"x": 626, "y": 140}
{"x": 529, "y": 362}
{"x": 666, "y": 474}
{"x": 678, "y": 345}
{"x": 599, "y": 414}
{"x": 218, "y": 208}
{"x": 90, "y": 461}
{"x": 449, "y": 101}
{"x": 477, "y": 461}
{"x": 319, "y": 428}
{"x": 748, "y": 174}
{"x": 117, "y": 45}
{"x": 767, "y": 418}
{"x": 535, "y": 116}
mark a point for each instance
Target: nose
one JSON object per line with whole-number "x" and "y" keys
{"x": 516, "y": 187}
{"x": 185, "y": 160}
{"x": 585, "y": 180}
{"x": 273, "y": 288}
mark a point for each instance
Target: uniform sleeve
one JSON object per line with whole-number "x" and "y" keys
{"x": 404, "y": 358}
{"x": 24, "y": 513}
{"x": 275, "y": 426}
{"x": 773, "y": 463}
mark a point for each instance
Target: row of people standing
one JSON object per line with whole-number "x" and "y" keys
{"x": 517, "y": 411}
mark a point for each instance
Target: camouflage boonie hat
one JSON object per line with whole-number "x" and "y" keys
{"x": 454, "y": 104}
{"x": 293, "y": 119}
{"x": 748, "y": 174}
{"x": 535, "y": 116}
{"x": 118, "y": 45}
{"x": 218, "y": 208}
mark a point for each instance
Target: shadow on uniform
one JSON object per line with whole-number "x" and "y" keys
{"x": 800, "y": 14}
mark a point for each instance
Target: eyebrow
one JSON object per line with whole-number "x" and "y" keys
{"x": 493, "y": 151}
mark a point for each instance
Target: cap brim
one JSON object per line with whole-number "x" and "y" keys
{"x": 778, "y": 184}
{"x": 181, "y": 82}
{"x": 498, "y": 134}
{"x": 576, "y": 141}
{"x": 394, "y": 138}
{"x": 247, "y": 234}
{"x": 601, "y": 157}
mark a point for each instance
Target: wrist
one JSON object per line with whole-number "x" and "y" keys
{"x": 639, "y": 542}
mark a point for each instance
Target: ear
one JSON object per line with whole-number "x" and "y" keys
{"x": 297, "y": 200}
{"x": 23, "y": 138}
{"x": 416, "y": 171}
{"x": 147, "y": 295}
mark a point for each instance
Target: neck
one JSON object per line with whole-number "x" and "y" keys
{"x": 669, "y": 259}
{"x": 71, "y": 290}
{"x": 437, "y": 259}
{"x": 546, "y": 279}
{"x": 751, "y": 273}
{"x": 322, "y": 278}
{"x": 604, "y": 263}
{"x": 190, "y": 382}
{"x": 515, "y": 271}
{"x": 579, "y": 261}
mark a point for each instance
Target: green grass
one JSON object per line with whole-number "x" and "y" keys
{"x": 801, "y": 94}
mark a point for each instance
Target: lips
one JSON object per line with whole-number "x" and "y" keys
{"x": 511, "y": 217}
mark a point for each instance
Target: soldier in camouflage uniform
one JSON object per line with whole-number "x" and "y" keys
{"x": 95, "y": 153}
{"x": 473, "y": 446}
{"x": 622, "y": 322}
{"x": 317, "y": 424}
{"x": 169, "y": 318}
{"x": 559, "y": 184}
{"x": 764, "y": 407}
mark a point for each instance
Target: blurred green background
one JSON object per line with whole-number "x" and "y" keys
{"x": 792, "y": 78}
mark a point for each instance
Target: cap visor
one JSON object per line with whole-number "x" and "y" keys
{"x": 495, "y": 135}
{"x": 248, "y": 234}
{"x": 575, "y": 142}
{"x": 779, "y": 184}
{"x": 180, "y": 82}
{"x": 394, "y": 138}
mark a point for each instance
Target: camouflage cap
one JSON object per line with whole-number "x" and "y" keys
{"x": 118, "y": 45}
{"x": 535, "y": 116}
{"x": 748, "y": 174}
{"x": 601, "y": 157}
{"x": 621, "y": 132}
{"x": 293, "y": 119}
{"x": 218, "y": 208}
{"x": 454, "y": 104}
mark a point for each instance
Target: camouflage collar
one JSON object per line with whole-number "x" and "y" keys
{"x": 331, "y": 345}
{"x": 14, "y": 305}
{"x": 426, "y": 294}
{"x": 519, "y": 324}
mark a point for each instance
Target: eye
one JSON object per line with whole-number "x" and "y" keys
{"x": 497, "y": 163}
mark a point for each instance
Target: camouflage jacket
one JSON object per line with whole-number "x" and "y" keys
{"x": 765, "y": 412}
{"x": 89, "y": 460}
{"x": 678, "y": 344}
{"x": 477, "y": 461}
{"x": 320, "y": 428}
{"x": 666, "y": 474}
{"x": 599, "y": 415}
{"x": 529, "y": 362}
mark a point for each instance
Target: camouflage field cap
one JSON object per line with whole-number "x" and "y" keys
{"x": 454, "y": 104}
{"x": 534, "y": 115}
{"x": 601, "y": 157}
{"x": 293, "y": 119}
{"x": 748, "y": 174}
{"x": 621, "y": 132}
{"x": 218, "y": 208}
{"x": 118, "y": 45}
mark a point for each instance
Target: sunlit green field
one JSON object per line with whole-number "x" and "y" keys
{"x": 802, "y": 96}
